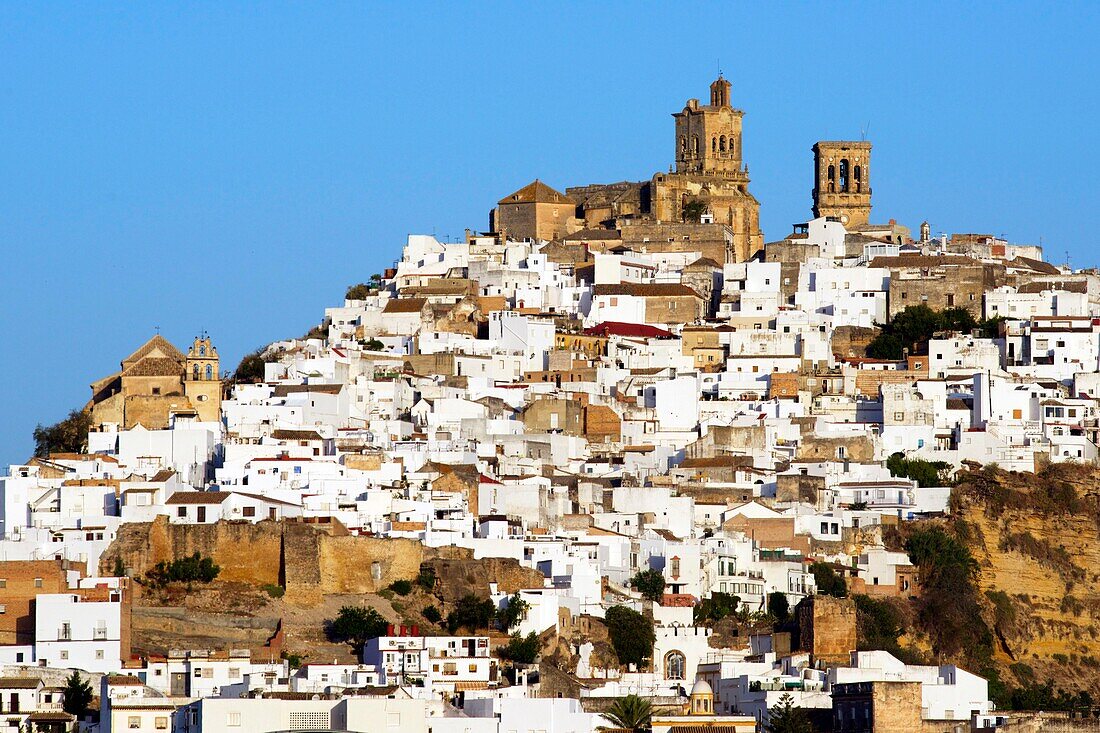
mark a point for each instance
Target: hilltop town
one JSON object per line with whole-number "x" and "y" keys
{"x": 616, "y": 462}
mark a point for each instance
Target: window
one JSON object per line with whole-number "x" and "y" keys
{"x": 99, "y": 654}
{"x": 233, "y": 720}
{"x": 844, "y": 174}
{"x": 249, "y": 511}
{"x": 675, "y": 665}
{"x": 3, "y": 582}
{"x": 181, "y": 511}
{"x": 38, "y": 582}
{"x": 64, "y": 654}
{"x": 161, "y": 723}
{"x": 133, "y": 722}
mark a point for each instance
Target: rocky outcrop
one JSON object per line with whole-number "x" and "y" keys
{"x": 1036, "y": 540}
{"x": 458, "y": 574}
{"x": 311, "y": 561}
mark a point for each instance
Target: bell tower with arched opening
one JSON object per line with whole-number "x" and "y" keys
{"x": 202, "y": 382}
{"x": 842, "y": 181}
{"x": 708, "y": 138}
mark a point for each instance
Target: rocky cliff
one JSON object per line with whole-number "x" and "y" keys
{"x": 1036, "y": 539}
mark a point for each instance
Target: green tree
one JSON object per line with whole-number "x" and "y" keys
{"x": 355, "y": 625}
{"x": 828, "y": 581}
{"x": 911, "y": 329}
{"x": 358, "y": 292}
{"x": 925, "y": 473}
{"x": 513, "y": 613}
{"x": 374, "y": 345}
{"x": 401, "y": 587}
{"x": 650, "y": 583}
{"x": 78, "y": 696}
{"x": 193, "y": 568}
{"x": 879, "y": 624}
{"x": 712, "y": 610}
{"x": 471, "y": 613}
{"x": 631, "y": 635}
{"x": 693, "y": 210}
{"x": 432, "y": 614}
{"x": 65, "y": 436}
{"x": 251, "y": 367}
{"x": 779, "y": 607}
{"x": 784, "y": 717}
{"x": 520, "y": 649}
{"x": 948, "y": 608}
{"x": 630, "y": 713}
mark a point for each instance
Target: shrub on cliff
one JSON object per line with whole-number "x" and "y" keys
{"x": 191, "y": 569}
{"x": 948, "y": 608}
{"x": 471, "y": 613}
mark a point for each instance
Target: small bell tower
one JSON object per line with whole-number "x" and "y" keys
{"x": 202, "y": 381}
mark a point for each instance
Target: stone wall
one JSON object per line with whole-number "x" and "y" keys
{"x": 309, "y": 560}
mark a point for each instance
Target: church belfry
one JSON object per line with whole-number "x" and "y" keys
{"x": 202, "y": 380}
{"x": 842, "y": 181}
{"x": 720, "y": 92}
{"x": 708, "y": 138}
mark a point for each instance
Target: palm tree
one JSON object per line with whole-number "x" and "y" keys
{"x": 630, "y": 713}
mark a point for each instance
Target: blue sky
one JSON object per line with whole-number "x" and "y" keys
{"x": 233, "y": 167}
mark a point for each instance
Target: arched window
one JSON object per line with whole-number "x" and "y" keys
{"x": 714, "y": 145}
{"x": 195, "y": 373}
{"x": 722, "y": 143}
{"x": 209, "y": 371}
{"x": 844, "y": 175}
{"x": 675, "y": 666}
{"x": 857, "y": 173}
{"x": 832, "y": 178}
{"x": 683, "y": 145}
{"x": 695, "y": 145}
{"x": 202, "y": 351}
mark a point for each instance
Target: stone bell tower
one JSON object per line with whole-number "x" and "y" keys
{"x": 202, "y": 381}
{"x": 708, "y": 138}
{"x": 842, "y": 181}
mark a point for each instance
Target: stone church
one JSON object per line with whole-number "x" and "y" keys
{"x": 707, "y": 187}
{"x": 158, "y": 381}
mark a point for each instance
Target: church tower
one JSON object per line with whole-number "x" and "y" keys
{"x": 708, "y": 138}
{"x": 202, "y": 381}
{"x": 842, "y": 181}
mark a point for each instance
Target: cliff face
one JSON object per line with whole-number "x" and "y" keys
{"x": 1035, "y": 538}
